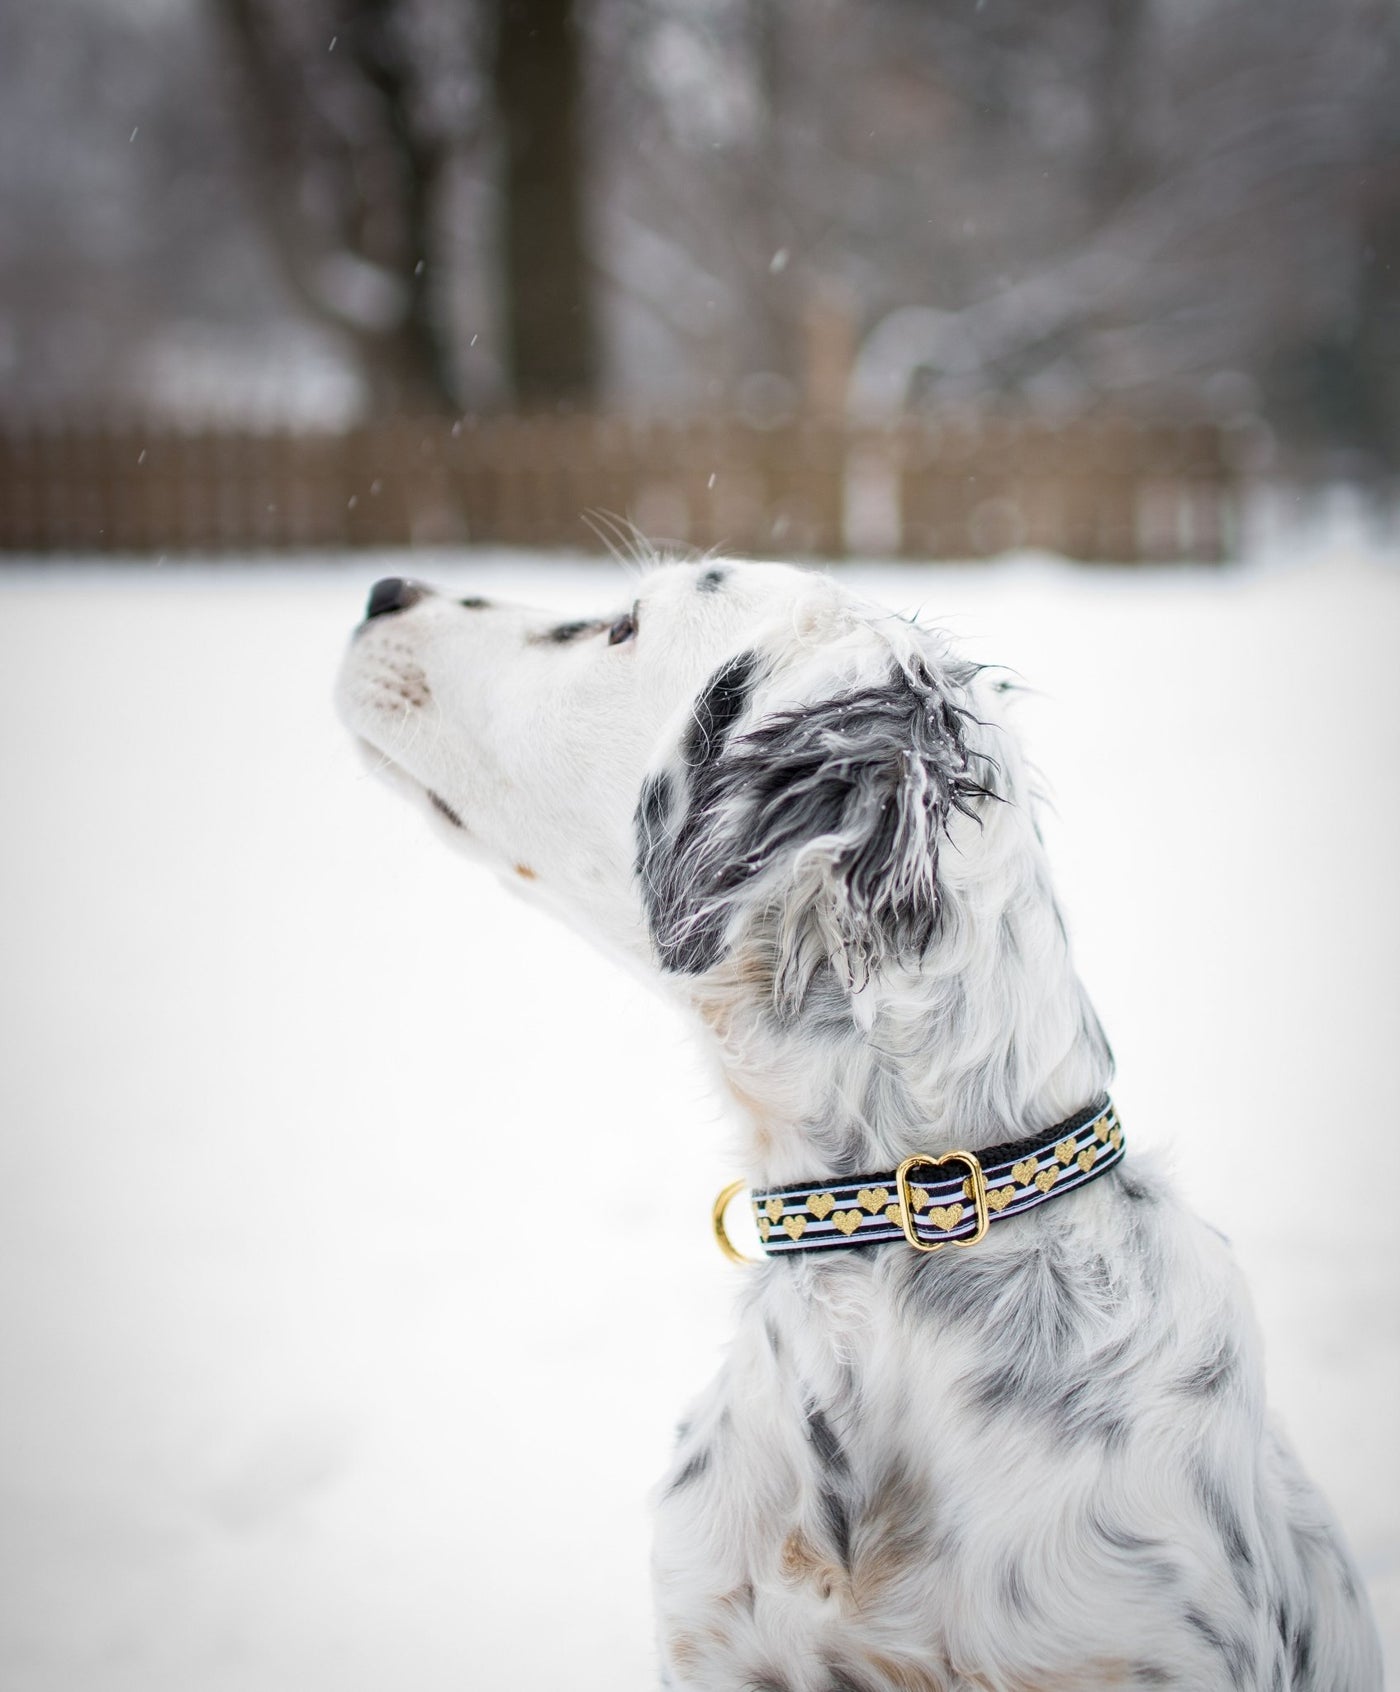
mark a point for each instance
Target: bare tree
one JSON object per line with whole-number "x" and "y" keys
{"x": 1124, "y": 202}
{"x": 349, "y": 162}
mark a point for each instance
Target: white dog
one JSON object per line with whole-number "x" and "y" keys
{"x": 1039, "y": 1463}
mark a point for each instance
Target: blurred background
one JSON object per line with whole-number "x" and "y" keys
{"x": 900, "y": 276}
{"x": 1074, "y": 328}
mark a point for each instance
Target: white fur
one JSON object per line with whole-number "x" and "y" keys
{"x": 1043, "y": 1463}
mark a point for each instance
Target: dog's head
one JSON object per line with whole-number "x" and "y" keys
{"x": 748, "y": 763}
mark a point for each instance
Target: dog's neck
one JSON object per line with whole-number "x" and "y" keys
{"x": 982, "y": 1041}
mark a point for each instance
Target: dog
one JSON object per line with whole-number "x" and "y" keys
{"x": 1038, "y": 1461}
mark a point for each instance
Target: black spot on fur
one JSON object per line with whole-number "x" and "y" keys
{"x": 712, "y": 580}
{"x": 475, "y": 603}
{"x": 930, "y": 1290}
{"x": 562, "y": 633}
{"x": 692, "y": 1471}
{"x": 1279, "y": 1614}
{"x": 1014, "y": 1589}
{"x": 1083, "y": 1410}
{"x": 1121, "y": 1538}
{"x": 1148, "y": 1554}
{"x": 827, "y": 1446}
{"x": 1213, "y": 1373}
{"x": 775, "y": 1344}
{"x": 1232, "y": 1651}
{"x": 1054, "y": 1287}
{"x": 1148, "y": 1674}
{"x": 1225, "y": 1519}
{"x": 441, "y": 805}
{"x": 1300, "y": 1656}
{"x": 1131, "y": 1188}
{"x": 831, "y": 1495}
{"x": 1050, "y": 1374}
{"x": 836, "y": 1513}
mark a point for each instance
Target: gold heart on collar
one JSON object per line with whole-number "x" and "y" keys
{"x": 821, "y": 1205}
{"x": 1066, "y": 1149}
{"x": 793, "y": 1226}
{"x": 872, "y": 1199}
{"x": 1116, "y": 1137}
{"x": 1047, "y": 1178}
{"x": 765, "y": 1227}
{"x": 1087, "y": 1158}
{"x": 946, "y": 1216}
{"x": 774, "y": 1207}
{"x": 847, "y": 1221}
{"x": 1101, "y": 1129}
{"x": 920, "y": 1198}
{"x": 1024, "y": 1171}
{"x": 999, "y": 1197}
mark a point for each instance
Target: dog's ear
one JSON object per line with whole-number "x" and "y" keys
{"x": 682, "y": 826}
{"x": 822, "y": 824}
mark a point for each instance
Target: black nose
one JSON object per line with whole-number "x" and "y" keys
{"x": 393, "y": 594}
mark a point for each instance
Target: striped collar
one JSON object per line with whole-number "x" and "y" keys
{"x": 967, "y": 1194}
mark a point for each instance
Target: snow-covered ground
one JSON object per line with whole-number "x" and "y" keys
{"x": 272, "y": 1418}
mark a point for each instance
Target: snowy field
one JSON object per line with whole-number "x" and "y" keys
{"x": 279, "y": 1077}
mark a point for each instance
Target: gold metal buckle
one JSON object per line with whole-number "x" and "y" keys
{"x": 976, "y": 1182}
{"x": 722, "y": 1239}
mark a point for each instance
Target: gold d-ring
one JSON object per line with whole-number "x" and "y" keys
{"x": 722, "y": 1239}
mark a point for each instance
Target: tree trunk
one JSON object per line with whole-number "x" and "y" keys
{"x": 419, "y": 350}
{"x": 376, "y": 189}
{"x": 551, "y": 336}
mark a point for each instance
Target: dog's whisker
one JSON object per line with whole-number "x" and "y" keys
{"x": 627, "y": 544}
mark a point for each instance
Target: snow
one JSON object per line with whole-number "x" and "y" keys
{"x": 281, "y": 1082}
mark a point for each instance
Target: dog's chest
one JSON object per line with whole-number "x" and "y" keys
{"x": 903, "y": 1479}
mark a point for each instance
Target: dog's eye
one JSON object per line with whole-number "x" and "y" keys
{"x": 623, "y": 629}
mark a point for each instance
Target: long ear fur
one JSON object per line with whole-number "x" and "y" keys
{"x": 822, "y": 825}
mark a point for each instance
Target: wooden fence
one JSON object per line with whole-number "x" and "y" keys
{"x": 1093, "y": 490}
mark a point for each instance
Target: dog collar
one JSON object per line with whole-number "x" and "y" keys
{"x": 953, "y": 1208}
